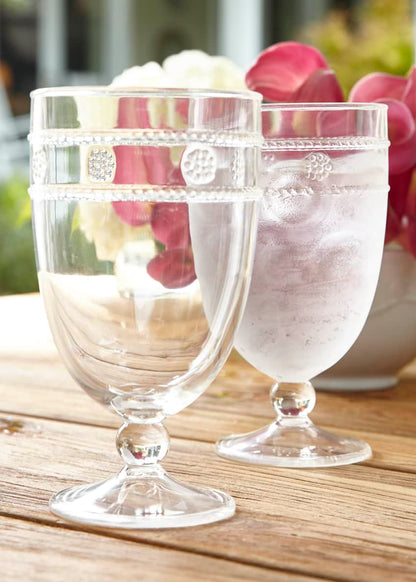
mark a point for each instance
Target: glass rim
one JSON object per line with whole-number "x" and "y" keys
{"x": 329, "y": 106}
{"x": 113, "y": 91}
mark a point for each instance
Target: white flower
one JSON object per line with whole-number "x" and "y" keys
{"x": 197, "y": 70}
{"x": 96, "y": 113}
{"x": 149, "y": 75}
{"x": 103, "y": 227}
{"x": 188, "y": 69}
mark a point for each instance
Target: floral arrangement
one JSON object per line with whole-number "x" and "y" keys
{"x": 295, "y": 72}
{"x": 121, "y": 222}
{"x": 285, "y": 72}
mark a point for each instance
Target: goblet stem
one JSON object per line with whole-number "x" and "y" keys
{"x": 293, "y": 402}
{"x": 142, "y": 445}
{"x": 293, "y": 440}
{"x": 142, "y": 495}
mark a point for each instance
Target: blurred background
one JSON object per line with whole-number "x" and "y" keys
{"x": 83, "y": 42}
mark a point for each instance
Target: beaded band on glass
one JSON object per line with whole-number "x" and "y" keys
{"x": 116, "y": 192}
{"x": 325, "y": 143}
{"x": 143, "y": 137}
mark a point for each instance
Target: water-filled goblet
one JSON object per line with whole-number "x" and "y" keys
{"x": 319, "y": 246}
{"x": 129, "y": 190}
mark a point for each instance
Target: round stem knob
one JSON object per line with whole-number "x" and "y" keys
{"x": 293, "y": 399}
{"x": 142, "y": 444}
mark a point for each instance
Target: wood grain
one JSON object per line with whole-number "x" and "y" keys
{"x": 353, "y": 510}
{"x": 41, "y": 553}
{"x": 349, "y": 524}
{"x": 45, "y": 389}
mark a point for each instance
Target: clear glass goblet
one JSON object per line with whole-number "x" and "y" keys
{"x": 319, "y": 247}
{"x": 144, "y": 210}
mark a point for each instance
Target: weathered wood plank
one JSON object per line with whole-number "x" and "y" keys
{"x": 34, "y": 552}
{"x": 34, "y": 381}
{"x": 349, "y": 523}
{"x": 43, "y": 388}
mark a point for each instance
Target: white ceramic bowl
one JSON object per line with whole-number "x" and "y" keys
{"x": 388, "y": 340}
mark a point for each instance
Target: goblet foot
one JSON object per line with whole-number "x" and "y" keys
{"x": 299, "y": 445}
{"x": 141, "y": 498}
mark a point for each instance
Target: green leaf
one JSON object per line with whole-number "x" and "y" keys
{"x": 76, "y": 220}
{"x": 25, "y": 213}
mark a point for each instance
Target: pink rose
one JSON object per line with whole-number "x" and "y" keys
{"x": 399, "y": 93}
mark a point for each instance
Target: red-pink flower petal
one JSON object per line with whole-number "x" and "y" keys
{"x": 411, "y": 215}
{"x": 406, "y": 229}
{"x": 337, "y": 123}
{"x": 409, "y": 94}
{"x": 411, "y": 197}
{"x": 182, "y": 109}
{"x": 412, "y": 237}
{"x": 173, "y": 268}
{"x": 133, "y": 112}
{"x": 130, "y": 166}
{"x": 320, "y": 87}
{"x": 141, "y": 165}
{"x": 170, "y": 224}
{"x": 282, "y": 68}
{"x": 133, "y": 213}
{"x": 392, "y": 226}
{"x": 179, "y": 238}
{"x": 399, "y": 191}
{"x": 401, "y": 124}
{"x": 402, "y": 135}
{"x": 378, "y": 86}
{"x": 402, "y": 156}
{"x": 278, "y": 124}
{"x": 407, "y": 237}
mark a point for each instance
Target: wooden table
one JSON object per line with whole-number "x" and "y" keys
{"x": 353, "y": 523}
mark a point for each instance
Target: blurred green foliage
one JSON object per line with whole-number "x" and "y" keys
{"x": 17, "y": 260}
{"x": 376, "y": 36}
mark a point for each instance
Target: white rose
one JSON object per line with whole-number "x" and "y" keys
{"x": 149, "y": 75}
{"x": 188, "y": 69}
{"x": 197, "y": 70}
{"x": 103, "y": 227}
{"x": 95, "y": 113}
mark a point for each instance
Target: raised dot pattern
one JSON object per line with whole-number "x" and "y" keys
{"x": 101, "y": 164}
{"x": 199, "y": 165}
{"x": 318, "y": 166}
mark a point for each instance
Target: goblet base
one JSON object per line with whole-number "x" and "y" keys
{"x": 141, "y": 498}
{"x": 301, "y": 445}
